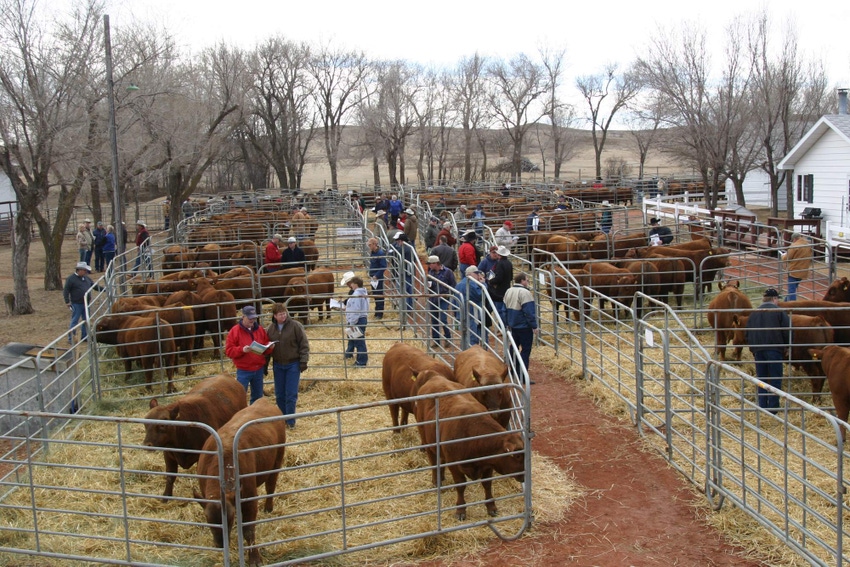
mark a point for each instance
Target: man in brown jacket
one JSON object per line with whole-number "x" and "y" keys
{"x": 799, "y": 259}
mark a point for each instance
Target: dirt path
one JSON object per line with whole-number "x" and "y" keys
{"x": 637, "y": 511}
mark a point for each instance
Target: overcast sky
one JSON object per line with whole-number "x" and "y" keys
{"x": 439, "y": 32}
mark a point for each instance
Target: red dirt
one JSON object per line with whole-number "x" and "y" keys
{"x": 637, "y": 511}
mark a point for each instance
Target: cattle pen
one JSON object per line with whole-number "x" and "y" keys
{"x": 785, "y": 471}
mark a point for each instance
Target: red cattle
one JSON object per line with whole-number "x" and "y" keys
{"x": 476, "y": 367}
{"x": 272, "y": 285}
{"x": 835, "y": 361}
{"x": 611, "y": 281}
{"x": 311, "y": 254}
{"x": 402, "y": 364}
{"x": 729, "y": 302}
{"x": 261, "y": 448}
{"x": 471, "y": 443}
{"x": 219, "y": 311}
{"x": 838, "y": 291}
{"x": 144, "y": 339}
{"x": 566, "y": 295}
{"x": 836, "y": 314}
{"x": 179, "y": 316}
{"x": 212, "y": 401}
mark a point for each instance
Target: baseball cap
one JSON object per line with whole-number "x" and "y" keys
{"x": 381, "y": 212}
{"x": 249, "y": 312}
{"x": 433, "y": 259}
{"x": 472, "y": 270}
{"x": 494, "y": 248}
{"x": 87, "y": 220}
{"x": 291, "y": 239}
{"x": 509, "y": 224}
{"x": 654, "y": 220}
{"x": 398, "y": 235}
{"x": 770, "y": 292}
{"x": 409, "y": 211}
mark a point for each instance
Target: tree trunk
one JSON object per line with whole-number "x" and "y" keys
{"x": 376, "y": 172}
{"x": 467, "y": 154}
{"x": 21, "y": 238}
{"x": 789, "y": 198}
{"x": 97, "y": 210}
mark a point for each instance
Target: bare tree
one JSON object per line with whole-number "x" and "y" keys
{"x": 561, "y": 115}
{"x": 469, "y": 99}
{"x": 392, "y": 118}
{"x": 789, "y": 95}
{"x": 46, "y": 104}
{"x": 340, "y": 86}
{"x": 515, "y": 88}
{"x": 282, "y": 100}
{"x": 609, "y": 92}
{"x": 644, "y": 124}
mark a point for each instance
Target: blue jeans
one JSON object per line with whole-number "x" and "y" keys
{"x": 88, "y": 257}
{"x": 439, "y": 319}
{"x": 358, "y": 345}
{"x": 378, "y": 294}
{"x": 83, "y": 254}
{"x": 792, "y": 288}
{"x": 107, "y": 258}
{"x": 78, "y": 313}
{"x": 252, "y": 378}
{"x": 524, "y": 339}
{"x": 286, "y": 379}
{"x": 408, "y": 290}
{"x": 769, "y": 370}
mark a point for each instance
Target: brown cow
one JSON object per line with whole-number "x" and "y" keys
{"x": 145, "y": 339}
{"x": 838, "y": 291}
{"x": 272, "y": 285}
{"x": 835, "y": 361}
{"x": 467, "y": 433}
{"x": 311, "y": 254}
{"x": 212, "y": 401}
{"x": 611, "y": 281}
{"x": 477, "y": 367}
{"x": 402, "y": 364}
{"x": 261, "y": 448}
{"x": 566, "y": 295}
{"x": 729, "y": 302}
{"x": 836, "y": 314}
{"x": 219, "y": 311}
{"x": 182, "y": 323}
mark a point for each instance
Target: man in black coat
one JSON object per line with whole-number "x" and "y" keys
{"x": 293, "y": 256}
{"x": 768, "y": 334}
{"x": 499, "y": 280}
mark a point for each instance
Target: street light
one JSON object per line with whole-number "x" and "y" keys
{"x": 113, "y": 143}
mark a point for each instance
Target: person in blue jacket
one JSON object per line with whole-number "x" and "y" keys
{"x": 473, "y": 301}
{"x": 377, "y": 271}
{"x": 521, "y": 314}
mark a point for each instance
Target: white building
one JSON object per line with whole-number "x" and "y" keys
{"x": 821, "y": 166}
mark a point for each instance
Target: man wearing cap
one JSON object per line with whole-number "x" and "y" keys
{"x": 411, "y": 225}
{"x": 499, "y": 280}
{"x": 562, "y": 204}
{"x": 503, "y": 236}
{"x": 473, "y": 298}
{"x": 74, "y": 293}
{"x": 461, "y": 218}
{"x": 99, "y": 235}
{"x": 431, "y": 233}
{"x": 381, "y": 221}
{"x": 237, "y": 347}
{"x": 144, "y": 245}
{"x": 377, "y": 269}
{"x": 83, "y": 246}
{"x": 441, "y": 281}
{"x": 467, "y": 253}
{"x": 768, "y": 334}
{"x": 489, "y": 260}
{"x": 440, "y": 209}
{"x": 662, "y": 233}
{"x": 521, "y": 318}
{"x": 607, "y": 220}
{"x": 272, "y": 256}
{"x": 293, "y": 256}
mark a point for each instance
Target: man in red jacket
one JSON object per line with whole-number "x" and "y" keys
{"x": 466, "y": 252}
{"x": 249, "y": 363}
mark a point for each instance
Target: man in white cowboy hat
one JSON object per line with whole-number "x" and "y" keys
{"x": 77, "y": 285}
{"x": 381, "y": 220}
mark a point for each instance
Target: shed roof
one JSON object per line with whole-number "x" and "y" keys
{"x": 839, "y": 123}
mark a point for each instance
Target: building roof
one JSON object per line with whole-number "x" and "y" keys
{"x": 839, "y": 123}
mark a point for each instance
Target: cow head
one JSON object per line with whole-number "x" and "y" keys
{"x": 838, "y": 291}
{"x": 213, "y": 515}
{"x": 491, "y": 399}
{"x": 160, "y": 435}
